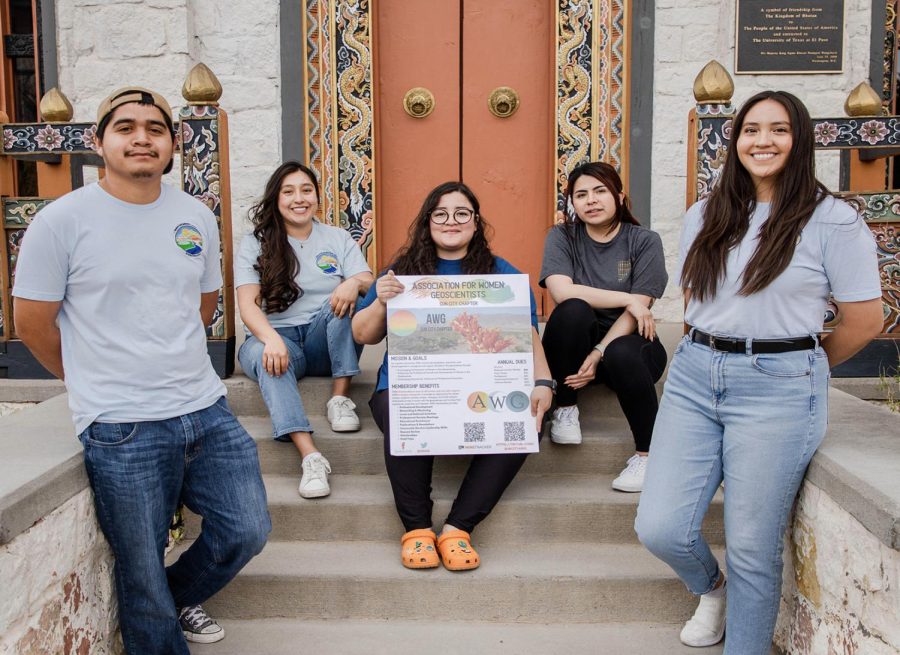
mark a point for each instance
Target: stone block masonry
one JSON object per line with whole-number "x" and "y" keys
{"x": 841, "y": 589}
{"x": 58, "y": 589}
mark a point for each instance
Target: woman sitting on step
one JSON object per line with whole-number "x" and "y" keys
{"x": 746, "y": 397}
{"x": 448, "y": 237}
{"x": 298, "y": 282}
{"x": 604, "y": 270}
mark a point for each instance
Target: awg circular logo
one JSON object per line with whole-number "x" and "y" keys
{"x": 496, "y": 401}
{"x": 189, "y": 239}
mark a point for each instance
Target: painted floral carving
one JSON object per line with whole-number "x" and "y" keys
{"x": 8, "y": 139}
{"x": 826, "y": 133}
{"x": 48, "y": 138}
{"x": 872, "y": 132}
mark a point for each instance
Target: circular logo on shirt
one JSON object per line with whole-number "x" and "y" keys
{"x": 327, "y": 262}
{"x": 189, "y": 239}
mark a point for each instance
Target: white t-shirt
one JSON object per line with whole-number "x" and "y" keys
{"x": 327, "y": 257}
{"x": 129, "y": 278}
{"x": 836, "y": 254}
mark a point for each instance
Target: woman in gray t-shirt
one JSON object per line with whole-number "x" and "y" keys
{"x": 604, "y": 270}
{"x": 746, "y": 397}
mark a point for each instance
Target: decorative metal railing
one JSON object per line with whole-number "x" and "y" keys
{"x": 863, "y": 178}
{"x": 202, "y": 141}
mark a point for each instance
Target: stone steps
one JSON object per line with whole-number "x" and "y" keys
{"x": 553, "y": 509}
{"x": 413, "y": 637}
{"x": 518, "y": 582}
{"x": 607, "y": 444}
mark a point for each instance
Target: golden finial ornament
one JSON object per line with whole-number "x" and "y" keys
{"x": 713, "y": 85}
{"x": 201, "y": 86}
{"x": 863, "y": 101}
{"x": 55, "y": 107}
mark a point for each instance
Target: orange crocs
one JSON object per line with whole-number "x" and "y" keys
{"x": 456, "y": 551}
{"x": 417, "y": 549}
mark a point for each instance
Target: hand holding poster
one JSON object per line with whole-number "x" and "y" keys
{"x": 460, "y": 357}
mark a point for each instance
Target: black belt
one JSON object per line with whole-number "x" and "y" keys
{"x": 737, "y": 345}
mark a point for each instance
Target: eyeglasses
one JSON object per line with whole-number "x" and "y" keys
{"x": 441, "y": 216}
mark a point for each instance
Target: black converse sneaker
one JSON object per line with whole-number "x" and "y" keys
{"x": 198, "y": 627}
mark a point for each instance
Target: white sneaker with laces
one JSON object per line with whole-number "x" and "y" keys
{"x": 631, "y": 478}
{"x": 565, "y": 428}
{"x": 198, "y": 626}
{"x": 314, "y": 481}
{"x": 707, "y": 626}
{"x": 341, "y": 414}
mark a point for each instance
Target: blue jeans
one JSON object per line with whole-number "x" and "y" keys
{"x": 139, "y": 472}
{"x": 754, "y": 421}
{"x": 322, "y": 347}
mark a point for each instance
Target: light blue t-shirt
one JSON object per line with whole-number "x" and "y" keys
{"x": 836, "y": 255}
{"x": 129, "y": 278}
{"x": 327, "y": 257}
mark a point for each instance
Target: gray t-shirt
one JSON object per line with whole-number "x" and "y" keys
{"x": 327, "y": 257}
{"x": 836, "y": 254}
{"x": 633, "y": 262}
{"x": 129, "y": 278}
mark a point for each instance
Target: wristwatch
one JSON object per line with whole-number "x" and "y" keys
{"x": 551, "y": 384}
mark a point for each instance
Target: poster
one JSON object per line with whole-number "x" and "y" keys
{"x": 461, "y": 366}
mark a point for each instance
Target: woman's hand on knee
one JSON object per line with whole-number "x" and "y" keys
{"x": 343, "y": 298}
{"x": 646, "y": 327}
{"x": 275, "y": 356}
{"x": 388, "y": 286}
{"x": 586, "y": 373}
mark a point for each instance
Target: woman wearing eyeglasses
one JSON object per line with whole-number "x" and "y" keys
{"x": 448, "y": 237}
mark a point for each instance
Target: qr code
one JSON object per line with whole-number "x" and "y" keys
{"x": 513, "y": 431}
{"x": 473, "y": 432}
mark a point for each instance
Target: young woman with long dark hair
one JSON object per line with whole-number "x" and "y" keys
{"x": 746, "y": 398}
{"x": 447, "y": 237}
{"x": 298, "y": 282}
{"x": 604, "y": 271}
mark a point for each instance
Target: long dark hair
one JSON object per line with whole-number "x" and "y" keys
{"x": 726, "y": 216}
{"x": 419, "y": 256}
{"x": 277, "y": 264}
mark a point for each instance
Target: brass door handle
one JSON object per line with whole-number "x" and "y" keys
{"x": 418, "y": 102}
{"x": 503, "y": 102}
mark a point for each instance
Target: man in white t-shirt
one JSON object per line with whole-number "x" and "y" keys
{"x": 130, "y": 269}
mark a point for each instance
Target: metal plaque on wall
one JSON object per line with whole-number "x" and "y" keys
{"x": 789, "y": 36}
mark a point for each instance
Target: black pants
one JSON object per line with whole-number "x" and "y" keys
{"x": 631, "y": 364}
{"x": 410, "y": 475}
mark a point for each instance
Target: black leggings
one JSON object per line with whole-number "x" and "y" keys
{"x": 410, "y": 475}
{"x": 631, "y": 364}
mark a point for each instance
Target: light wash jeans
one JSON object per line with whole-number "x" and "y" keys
{"x": 322, "y": 347}
{"x": 139, "y": 472}
{"x": 754, "y": 421}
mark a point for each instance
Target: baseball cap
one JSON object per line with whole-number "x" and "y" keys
{"x": 128, "y": 94}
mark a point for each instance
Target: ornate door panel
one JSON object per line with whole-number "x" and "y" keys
{"x": 460, "y": 52}
{"x": 565, "y": 59}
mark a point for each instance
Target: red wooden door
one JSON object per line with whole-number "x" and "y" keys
{"x": 461, "y": 51}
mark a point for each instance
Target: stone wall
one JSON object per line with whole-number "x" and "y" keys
{"x": 690, "y": 33}
{"x": 60, "y": 573}
{"x": 841, "y": 584}
{"x": 105, "y": 44}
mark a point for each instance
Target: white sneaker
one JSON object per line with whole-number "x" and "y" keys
{"x": 707, "y": 626}
{"x": 341, "y": 414}
{"x": 314, "y": 481}
{"x": 564, "y": 428}
{"x": 631, "y": 478}
{"x": 198, "y": 626}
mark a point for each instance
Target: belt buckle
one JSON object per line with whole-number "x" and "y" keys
{"x": 714, "y": 343}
